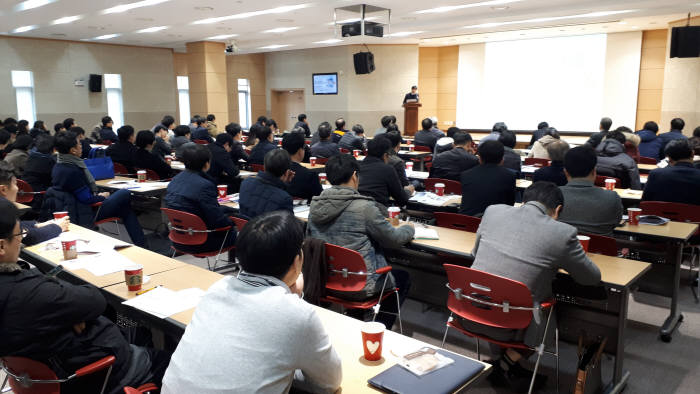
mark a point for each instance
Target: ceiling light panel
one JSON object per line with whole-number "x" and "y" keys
{"x": 439, "y": 10}
{"x": 131, "y": 6}
{"x": 281, "y": 29}
{"x": 549, "y": 19}
{"x": 106, "y": 37}
{"x": 24, "y": 28}
{"x": 222, "y": 37}
{"x": 152, "y": 29}
{"x": 277, "y": 10}
{"x": 67, "y": 19}
{"x": 404, "y": 33}
{"x": 30, "y": 4}
{"x": 276, "y": 46}
{"x": 331, "y": 41}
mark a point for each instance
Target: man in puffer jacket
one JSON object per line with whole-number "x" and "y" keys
{"x": 613, "y": 161}
{"x": 343, "y": 217}
{"x": 539, "y": 149}
{"x": 651, "y": 143}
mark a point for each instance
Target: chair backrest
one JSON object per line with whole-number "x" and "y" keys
{"x": 239, "y": 223}
{"x": 451, "y": 187}
{"x": 120, "y": 169}
{"x": 201, "y": 142}
{"x": 632, "y": 151}
{"x": 346, "y": 269}
{"x": 675, "y": 211}
{"x": 602, "y": 245}
{"x": 185, "y": 228}
{"x": 622, "y": 176}
{"x": 321, "y": 160}
{"x": 422, "y": 148}
{"x": 600, "y": 181}
{"x": 150, "y": 174}
{"x": 490, "y": 288}
{"x": 344, "y": 151}
{"x": 646, "y": 160}
{"x": 25, "y": 194}
{"x": 457, "y": 221}
{"x": 36, "y": 370}
{"x": 107, "y": 142}
{"x": 257, "y": 167}
{"x": 532, "y": 161}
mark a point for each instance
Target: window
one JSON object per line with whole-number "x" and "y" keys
{"x": 244, "y": 103}
{"x": 115, "y": 105}
{"x": 183, "y": 96}
{"x": 23, "y": 82}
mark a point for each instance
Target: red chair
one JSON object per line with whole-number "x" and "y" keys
{"x": 497, "y": 302}
{"x": 421, "y": 148}
{"x": 457, "y": 221}
{"x": 146, "y": 388}
{"x": 188, "y": 229}
{"x": 632, "y": 151}
{"x": 344, "y": 151}
{"x": 28, "y": 376}
{"x": 257, "y": 167}
{"x": 601, "y": 244}
{"x": 106, "y": 142}
{"x": 347, "y": 272}
{"x": 25, "y": 194}
{"x": 201, "y": 142}
{"x": 121, "y": 170}
{"x": 112, "y": 219}
{"x": 600, "y": 181}
{"x": 321, "y": 160}
{"x": 239, "y": 223}
{"x": 451, "y": 187}
{"x": 647, "y": 160}
{"x": 427, "y": 160}
{"x": 531, "y": 161}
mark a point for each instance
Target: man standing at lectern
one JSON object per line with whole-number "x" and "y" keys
{"x": 413, "y": 96}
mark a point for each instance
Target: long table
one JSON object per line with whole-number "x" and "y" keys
{"x": 148, "y": 187}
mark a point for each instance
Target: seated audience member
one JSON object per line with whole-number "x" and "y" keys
{"x": 447, "y": 142}
{"x": 23, "y": 127}
{"x": 603, "y": 129}
{"x": 195, "y": 192}
{"x": 84, "y": 141}
{"x": 223, "y": 170}
{"x": 555, "y": 171}
{"x": 488, "y": 183}
{"x": 676, "y": 133}
{"x": 200, "y": 131}
{"x": 253, "y": 137}
{"x": 265, "y": 144}
{"x": 379, "y": 180}
{"x": 5, "y": 137}
{"x": 511, "y": 158}
{"x": 20, "y": 153}
{"x": 61, "y": 324}
{"x": 695, "y": 144}
{"x": 58, "y": 128}
{"x": 451, "y": 164}
{"x": 74, "y": 190}
{"x": 37, "y": 170}
{"x": 268, "y": 190}
{"x": 237, "y": 151}
{"x": 168, "y": 122}
{"x": 38, "y": 129}
{"x": 272, "y": 124}
{"x": 353, "y": 139}
{"x": 434, "y": 119}
{"x": 303, "y": 122}
{"x": 182, "y": 137}
{"x": 679, "y": 181}
{"x": 427, "y": 136}
{"x": 385, "y": 122}
{"x": 69, "y": 123}
{"x": 589, "y": 208}
{"x": 496, "y": 131}
{"x": 162, "y": 147}
{"x": 12, "y": 130}
{"x": 212, "y": 128}
{"x": 144, "y": 159}
{"x": 529, "y": 245}
{"x": 306, "y": 183}
{"x": 123, "y": 151}
{"x": 539, "y": 133}
{"x": 325, "y": 147}
{"x": 339, "y": 131}
{"x": 650, "y": 145}
{"x": 613, "y": 161}
{"x": 106, "y": 132}
{"x": 394, "y": 160}
{"x": 344, "y": 217}
{"x": 34, "y": 232}
{"x": 263, "y": 301}
{"x": 539, "y": 149}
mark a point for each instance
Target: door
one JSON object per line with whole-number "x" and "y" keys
{"x": 286, "y": 105}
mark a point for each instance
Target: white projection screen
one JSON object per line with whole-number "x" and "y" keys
{"x": 560, "y": 80}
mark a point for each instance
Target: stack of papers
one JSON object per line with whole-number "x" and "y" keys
{"x": 417, "y": 174}
{"x": 425, "y": 233}
{"x": 302, "y": 211}
{"x": 162, "y": 302}
{"x": 429, "y": 198}
{"x": 99, "y": 246}
{"x": 229, "y": 198}
{"x": 100, "y": 264}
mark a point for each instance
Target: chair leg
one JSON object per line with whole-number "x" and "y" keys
{"x": 398, "y": 308}
{"x": 447, "y": 327}
{"x": 540, "y": 349}
{"x": 556, "y": 350}
{"x": 4, "y": 382}
{"x": 478, "y": 352}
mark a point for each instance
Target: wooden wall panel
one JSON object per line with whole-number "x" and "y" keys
{"x": 651, "y": 76}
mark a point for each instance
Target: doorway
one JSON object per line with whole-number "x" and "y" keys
{"x": 285, "y": 106}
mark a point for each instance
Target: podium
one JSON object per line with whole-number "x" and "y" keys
{"x": 410, "y": 118}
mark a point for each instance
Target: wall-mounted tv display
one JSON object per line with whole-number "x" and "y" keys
{"x": 326, "y": 83}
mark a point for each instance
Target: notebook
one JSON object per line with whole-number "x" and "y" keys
{"x": 445, "y": 380}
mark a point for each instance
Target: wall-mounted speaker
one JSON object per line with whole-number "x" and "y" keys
{"x": 95, "y": 83}
{"x": 364, "y": 62}
{"x": 685, "y": 41}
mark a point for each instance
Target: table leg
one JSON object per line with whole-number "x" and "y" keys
{"x": 675, "y": 317}
{"x": 621, "y": 329}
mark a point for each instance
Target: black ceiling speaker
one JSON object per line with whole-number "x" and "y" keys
{"x": 364, "y": 62}
{"x": 95, "y": 83}
{"x": 685, "y": 41}
{"x": 355, "y": 29}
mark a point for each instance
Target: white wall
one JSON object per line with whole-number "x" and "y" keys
{"x": 622, "y": 61}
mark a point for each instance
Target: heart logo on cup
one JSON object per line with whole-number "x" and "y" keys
{"x": 372, "y": 346}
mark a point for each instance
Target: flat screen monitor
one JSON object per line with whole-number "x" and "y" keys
{"x": 326, "y": 83}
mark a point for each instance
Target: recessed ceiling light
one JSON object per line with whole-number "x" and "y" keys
{"x": 281, "y": 29}
{"x": 24, "y": 28}
{"x": 204, "y": 8}
{"x": 278, "y": 10}
{"x": 404, "y": 33}
{"x": 635, "y": 27}
{"x": 67, "y": 19}
{"x": 463, "y": 6}
{"x": 152, "y": 29}
{"x": 131, "y": 6}
{"x": 222, "y": 37}
{"x": 275, "y": 46}
{"x": 549, "y": 19}
{"x": 330, "y": 41}
{"x": 106, "y": 37}
{"x": 29, "y": 4}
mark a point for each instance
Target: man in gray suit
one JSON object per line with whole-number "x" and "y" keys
{"x": 589, "y": 208}
{"x": 529, "y": 245}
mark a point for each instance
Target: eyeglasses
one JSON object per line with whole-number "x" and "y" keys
{"x": 22, "y": 233}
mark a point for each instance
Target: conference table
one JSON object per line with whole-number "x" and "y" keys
{"x": 131, "y": 184}
{"x": 22, "y": 207}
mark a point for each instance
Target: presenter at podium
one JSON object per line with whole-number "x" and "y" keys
{"x": 412, "y": 97}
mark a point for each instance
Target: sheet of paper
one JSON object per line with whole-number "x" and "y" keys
{"x": 425, "y": 233}
{"x": 429, "y": 198}
{"x": 417, "y": 174}
{"x": 98, "y": 246}
{"x": 100, "y": 264}
{"x": 163, "y": 302}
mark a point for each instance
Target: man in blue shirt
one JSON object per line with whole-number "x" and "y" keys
{"x": 679, "y": 181}
{"x": 676, "y": 133}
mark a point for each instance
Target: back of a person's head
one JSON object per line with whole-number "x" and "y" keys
{"x": 199, "y": 120}
{"x": 159, "y": 128}
{"x": 66, "y": 141}
{"x": 461, "y": 138}
{"x": 378, "y": 146}
{"x": 426, "y": 124}
{"x": 499, "y": 127}
{"x": 78, "y": 130}
{"x": 57, "y": 127}
{"x": 7, "y": 172}
{"x": 22, "y": 142}
{"x": 679, "y": 150}
{"x": 605, "y": 124}
{"x": 324, "y": 130}
{"x": 451, "y": 131}
{"x": 695, "y": 144}
{"x": 393, "y": 118}
{"x": 358, "y": 129}
{"x": 546, "y": 193}
{"x": 23, "y": 126}
{"x": 106, "y": 120}
{"x": 551, "y": 131}
{"x": 211, "y": 118}
{"x": 677, "y": 124}
{"x": 12, "y": 129}
{"x": 491, "y": 152}
{"x": 195, "y": 156}
{"x": 68, "y": 123}
{"x": 292, "y": 142}
{"x": 339, "y": 168}
{"x": 696, "y": 132}
{"x": 125, "y": 132}
{"x": 392, "y": 127}
{"x": 269, "y": 244}
{"x": 542, "y": 125}
{"x": 39, "y": 124}
{"x": 298, "y": 130}
{"x": 145, "y": 138}
{"x": 44, "y": 144}
{"x": 580, "y": 161}
{"x": 223, "y": 139}
{"x": 264, "y": 133}
{"x": 262, "y": 119}
{"x": 557, "y": 150}
{"x": 181, "y": 131}
{"x": 651, "y": 126}
{"x": 301, "y": 117}
{"x": 9, "y": 121}
{"x": 8, "y": 219}
{"x": 233, "y": 129}
{"x": 4, "y": 137}
{"x": 386, "y": 121}
{"x": 277, "y": 162}
{"x": 616, "y": 135}
{"x": 507, "y": 138}
{"x": 167, "y": 121}
{"x": 271, "y": 123}
{"x": 339, "y": 124}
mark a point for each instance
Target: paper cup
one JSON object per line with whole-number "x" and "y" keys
{"x": 223, "y": 190}
{"x": 372, "y": 338}
{"x": 440, "y": 189}
{"x": 634, "y": 214}
{"x": 312, "y": 160}
{"x": 584, "y": 240}
{"x": 134, "y": 277}
{"x": 168, "y": 160}
{"x": 394, "y": 215}
{"x": 410, "y": 148}
{"x": 409, "y": 166}
{"x": 356, "y": 153}
{"x": 322, "y": 177}
{"x": 244, "y": 138}
{"x": 141, "y": 175}
{"x": 610, "y": 184}
{"x": 59, "y": 215}
{"x": 69, "y": 245}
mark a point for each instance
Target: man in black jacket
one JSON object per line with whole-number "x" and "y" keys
{"x": 325, "y": 147}
{"x": 305, "y": 183}
{"x": 303, "y": 122}
{"x": 511, "y": 158}
{"x": 144, "y": 159}
{"x": 379, "y": 180}
{"x": 451, "y": 164}
{"x": 60, "y": 324}
{"x": 106, "y": 133}
{"x": 264, "y": 145}
{"x": 123, "y": 151}
{"x": 679, "y": 181}
{"x": 223, "y": 169}
{"x": 37, "y": 170}
{"x": 487, "y": 184}
{"x": 595, "y": 138}
{"x": 394, "y": 160}
{"x": 555, "y": 171}
{"x": 162, "y": 147}
{"x": 237, "y": 150}
{"x": 427, "y": 136}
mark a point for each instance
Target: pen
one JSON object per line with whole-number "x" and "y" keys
{"x": 146, "y": 290}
